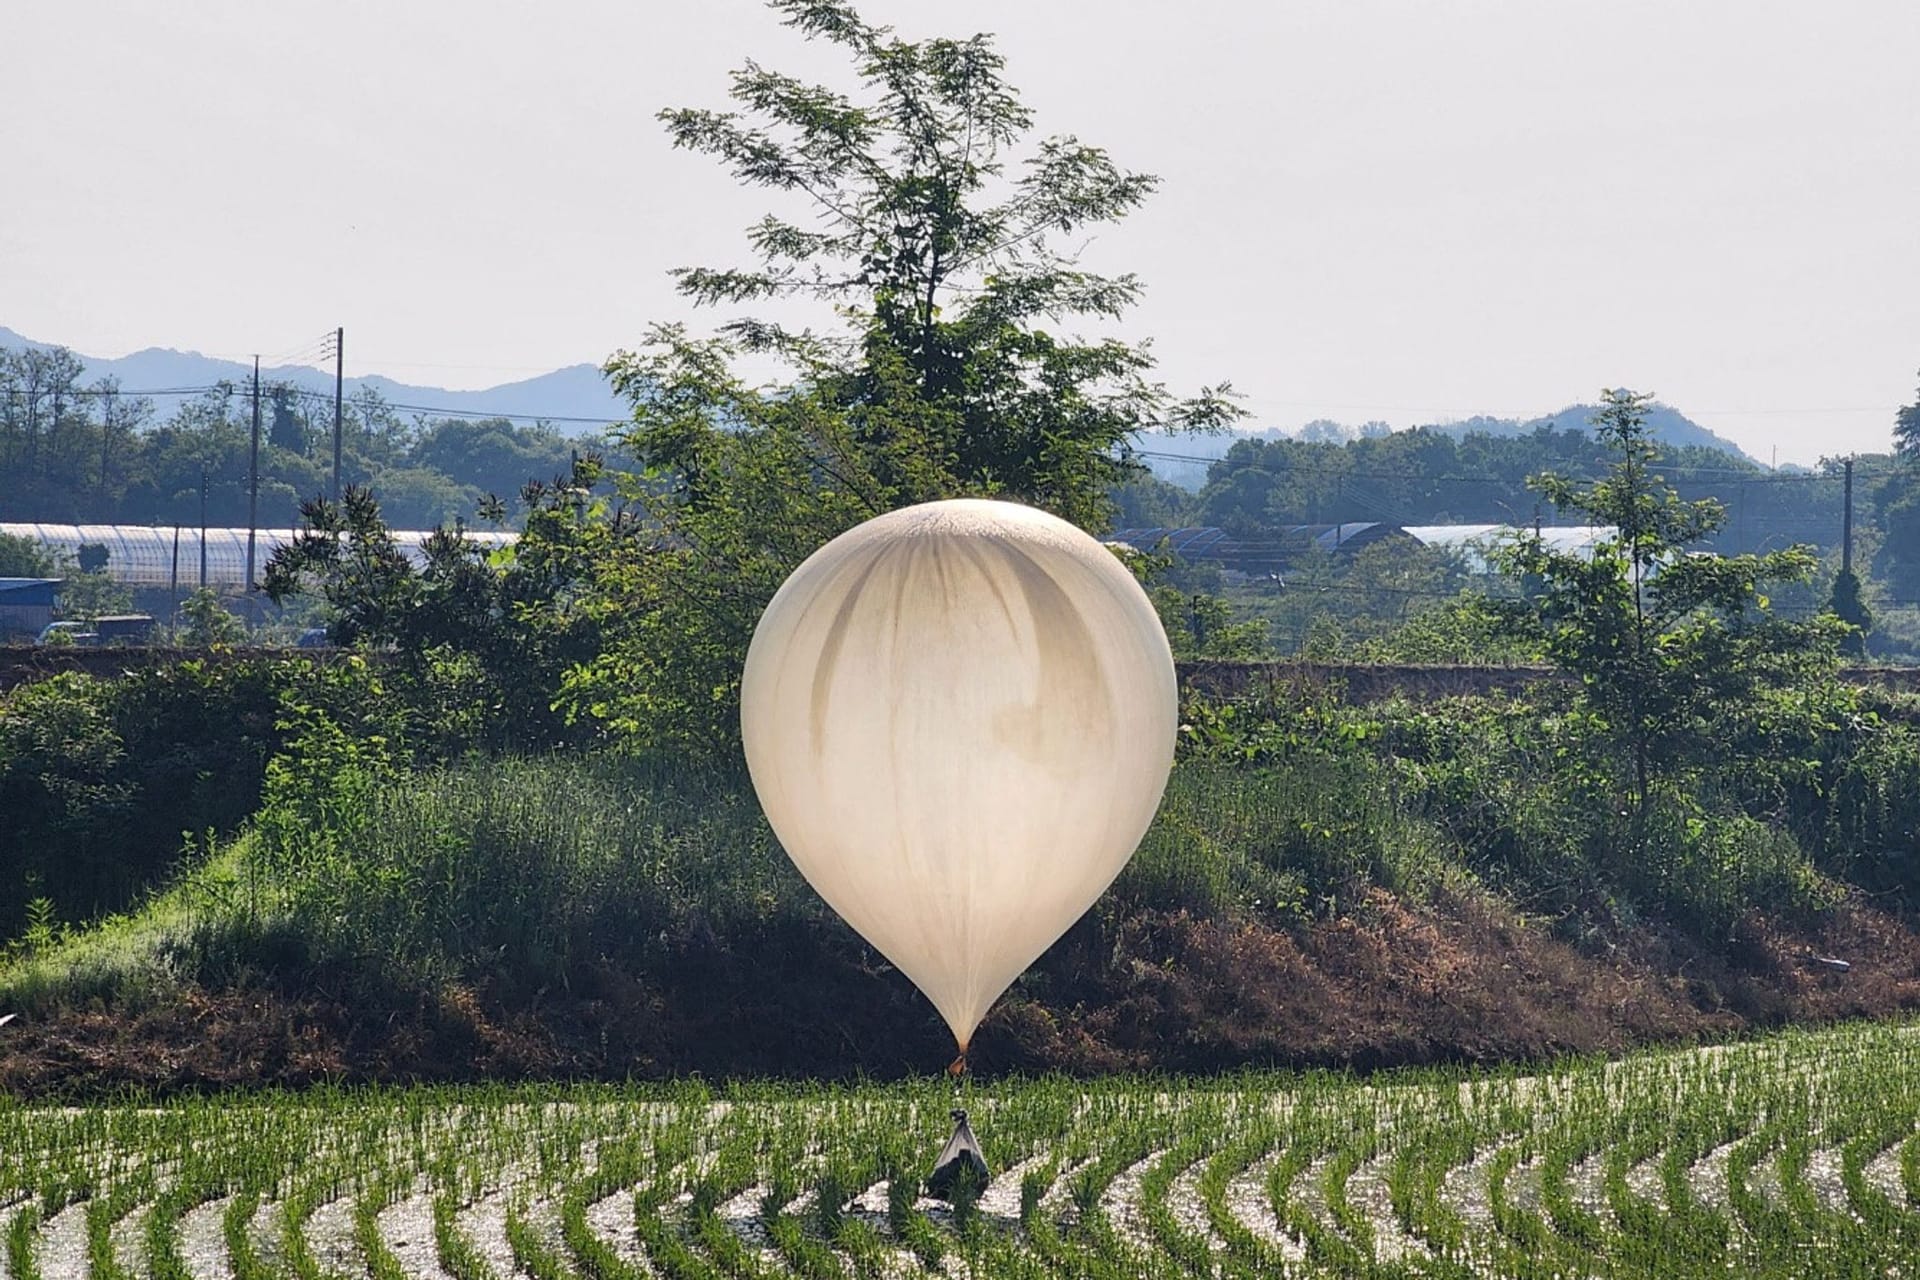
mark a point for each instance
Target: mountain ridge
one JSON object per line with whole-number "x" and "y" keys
{"x": 574, "y": 398}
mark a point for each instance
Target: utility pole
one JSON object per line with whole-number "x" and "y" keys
{"x": 106, "y": 442}
{"x": 339, "y": 366}
{"x": 253, "y": 477}
{"x": 203, "y": 528}
{"x": 1846, "y": 522}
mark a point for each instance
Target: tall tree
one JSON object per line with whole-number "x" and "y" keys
{"x": 918, "y": 210}
{"x": 51, "y": 376}
{"x": 285, "y": 429}
{"x": 939, "y": 239}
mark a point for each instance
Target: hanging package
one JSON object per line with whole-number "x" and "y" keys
{"x": 961, "y": 1157}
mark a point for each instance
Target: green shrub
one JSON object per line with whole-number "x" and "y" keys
{"x": 1709, "y": 870}
{"x": 102, "y": 780}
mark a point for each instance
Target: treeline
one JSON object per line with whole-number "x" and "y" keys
{"x": 82, "y": 452}
{"x": 1424, "y": 476}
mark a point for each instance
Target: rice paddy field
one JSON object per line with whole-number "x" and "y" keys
{"x": 1795, "y": 1155}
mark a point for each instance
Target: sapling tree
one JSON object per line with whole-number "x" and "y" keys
{"x": 1671, "y": 648}
{"x": 207, "y": 624}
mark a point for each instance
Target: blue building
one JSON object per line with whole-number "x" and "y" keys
{"x": 26, "y": 605}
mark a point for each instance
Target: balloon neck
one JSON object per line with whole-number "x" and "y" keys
{"x": 958, "y": 1067}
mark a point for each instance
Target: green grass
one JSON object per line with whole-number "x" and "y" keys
{"x": 1592, "y": 1168}
{"x": 531, "y": 871}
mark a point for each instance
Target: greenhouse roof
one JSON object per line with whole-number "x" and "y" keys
{"x": 159, "y": 556}
{"x": 1474, "y": 541}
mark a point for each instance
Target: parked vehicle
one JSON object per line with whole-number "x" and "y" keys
{"x": 312, "y": 638}
{"x": 125, "y": 628}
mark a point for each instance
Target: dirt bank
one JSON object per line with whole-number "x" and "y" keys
{"x": 1386, "y": 985}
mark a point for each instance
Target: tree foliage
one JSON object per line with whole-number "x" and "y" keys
{"x": 206, "y": 624}
{"x": 1426, "y": 476}
{"x": 1848, "y": 604}
{"x": 1906, "y": 428}
{"x": 93, "y": 595}
{"x": 936, "y": 235}
{"x": 1669, "y": 647}
{"x": 73, "y": 453}
{"x": 22, "y": 557}
{"x": 504, "y": 624}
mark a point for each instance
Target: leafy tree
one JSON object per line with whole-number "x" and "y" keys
{"x": 510, "y": 617}
{"x": 93, "y": 595}
{"x": 22, "y": 557}
{"x": 1148, "y": 502}
{"x": 1670, "y": 649}
{"x": 490, "y": 455}
{"x": 208, "y": 624}
{"x": 941, "y": 247}
{"x": 1906, "y": 429}
{"x": 1202, "y": 625}
{"x": 40, "y": 385}
{"x": 346, "y": 552}
{"x": 1849, "y": 606}
{"x": 937, "y": 239}
{"x": 285, "y": 430}
{"x": 1898, "y": 499}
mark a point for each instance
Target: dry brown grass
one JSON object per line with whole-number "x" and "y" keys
{"x": 1461, "y": 980}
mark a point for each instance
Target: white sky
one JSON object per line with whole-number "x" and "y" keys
{"x": 1398, "y": 209}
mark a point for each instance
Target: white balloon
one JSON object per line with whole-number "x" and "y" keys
{"x": 959, "y": 718}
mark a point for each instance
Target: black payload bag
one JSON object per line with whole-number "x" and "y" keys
{"x": 962, "y": 1152}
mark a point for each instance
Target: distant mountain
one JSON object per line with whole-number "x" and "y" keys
{"x": 575, "y": 399}
{"x": 1669, "y": 427}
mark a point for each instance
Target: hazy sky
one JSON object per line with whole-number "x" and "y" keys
{"x": 1396, "y": 209}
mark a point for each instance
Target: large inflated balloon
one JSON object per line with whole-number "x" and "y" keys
{"x": 959, "y": 718}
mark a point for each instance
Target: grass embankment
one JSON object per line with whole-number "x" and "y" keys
{"x": 581, "y": 916}
{"x": 1793, "y": 1155}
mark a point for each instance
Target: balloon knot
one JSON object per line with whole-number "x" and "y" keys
{"x": 958, "y": 1067}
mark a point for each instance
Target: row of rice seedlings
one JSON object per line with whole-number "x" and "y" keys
{"x": 1172, "y": 1238}
{"x": 129, "y": 1193}
{"x": 1440, "y": 1140}
{"x": 1250, "y": 1249}
{"x": 23, "y": 1230}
